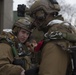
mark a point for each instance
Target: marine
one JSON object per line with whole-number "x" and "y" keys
{"x": 55, "y": 58}
{"x": 14, "y": 55}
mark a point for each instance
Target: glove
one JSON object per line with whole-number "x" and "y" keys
{"x": 20, "y": 62}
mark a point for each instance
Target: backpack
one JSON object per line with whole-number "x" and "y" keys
{"x": 73, "y": 59}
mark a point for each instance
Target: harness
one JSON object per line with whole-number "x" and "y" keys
{"x": 5, "y": 39}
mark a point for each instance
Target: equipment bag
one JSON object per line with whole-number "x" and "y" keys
{"x": 73, "y": 55}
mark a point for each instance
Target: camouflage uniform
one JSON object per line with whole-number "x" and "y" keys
{"x": 9, "y": 50}
{"x": 55, "y": 59}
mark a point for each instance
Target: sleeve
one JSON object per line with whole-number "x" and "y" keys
{"x": 6, "y": 59}
{"x": 70, "y": 37}
{"x": 54, "y": 60}
{"x": 68, "y": 33}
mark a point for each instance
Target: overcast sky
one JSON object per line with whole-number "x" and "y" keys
{"x": 16, "y": 2}
{"x": 71, "y": 1}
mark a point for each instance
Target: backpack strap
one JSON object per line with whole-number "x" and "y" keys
{"x": 8, "y": 38}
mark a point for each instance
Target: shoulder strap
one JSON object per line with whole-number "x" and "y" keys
{"x": 8, "y": 38}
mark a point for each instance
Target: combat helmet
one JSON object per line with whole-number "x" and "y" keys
{"x": 21, "y": 23}
{"x": 49, "y": 6}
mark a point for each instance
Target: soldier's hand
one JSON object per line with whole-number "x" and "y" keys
{"x": 31, "y": 46}
{"x": 23, "y": 72}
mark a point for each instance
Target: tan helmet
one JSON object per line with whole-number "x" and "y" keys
{"x": 21, "y": 23}
{"x": 47, "y": 5}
